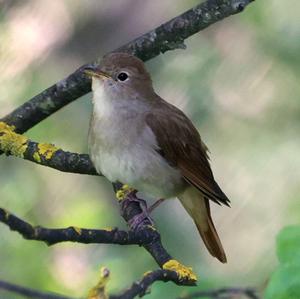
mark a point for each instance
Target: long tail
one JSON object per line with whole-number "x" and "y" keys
{"x": 198, "y": 208}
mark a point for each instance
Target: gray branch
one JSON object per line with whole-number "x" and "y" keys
{"x": 168, "y": 36}
{"x": 138, "y": 288}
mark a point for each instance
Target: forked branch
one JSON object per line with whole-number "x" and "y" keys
{"x": 138, "y": 288}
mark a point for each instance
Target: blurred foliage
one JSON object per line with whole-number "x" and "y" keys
{"x": 238, "y": 81}
{"x": 285, "y": 281}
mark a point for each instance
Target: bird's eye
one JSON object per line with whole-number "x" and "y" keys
{"x": 122, "y": 76}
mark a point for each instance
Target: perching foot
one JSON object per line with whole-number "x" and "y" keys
{"x": 138, "y": 220}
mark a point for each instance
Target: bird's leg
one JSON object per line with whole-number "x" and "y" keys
{"x": 138, "y": 219}
{"x": 155, "y": 205}
{"x": 127, "y": 196}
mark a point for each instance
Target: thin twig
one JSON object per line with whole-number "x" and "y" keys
{"x": 28, "y": 292}
{"x": 144, "y": 235}
{"x": 138, "y": 288}
{"x": 224, "y": 293}
{"x": 141, "y": 287}
{"x": 75, "y": 234}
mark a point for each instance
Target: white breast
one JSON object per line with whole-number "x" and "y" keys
{"x": 124, "y": 149}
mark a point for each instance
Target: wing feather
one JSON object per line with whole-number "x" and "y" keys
{"x": 181, "y": 145}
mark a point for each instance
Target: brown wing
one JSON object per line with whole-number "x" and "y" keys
{"x": 180, "y": 144}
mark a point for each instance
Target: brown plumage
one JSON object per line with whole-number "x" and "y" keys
{"x": 182, "y": 147}
{"x": 180, "y": 144}
{"x": 138, "y": 138}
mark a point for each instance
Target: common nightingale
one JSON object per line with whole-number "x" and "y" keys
{"x": 139, "y": 139}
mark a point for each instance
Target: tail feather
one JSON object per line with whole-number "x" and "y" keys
{"x": 198, "y": 208}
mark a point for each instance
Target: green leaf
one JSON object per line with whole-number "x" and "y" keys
{"x": 288, "y": 245}
{"x": 284, "y": 283}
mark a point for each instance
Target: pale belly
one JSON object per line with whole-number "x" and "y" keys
{"x": 124, "y": 149}
{"x": 140, "y": 168}
{"x": 129, "y": 156}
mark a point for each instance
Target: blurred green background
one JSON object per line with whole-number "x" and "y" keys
{"x": 239, "y": 82}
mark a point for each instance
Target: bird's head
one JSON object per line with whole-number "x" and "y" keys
{"x": 121, "y": 75}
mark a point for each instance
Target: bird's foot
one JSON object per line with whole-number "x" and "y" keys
{"x": 144, "y": 217}
{"x": 184, "y": 273}
{"x": 129, "y": 198}
{"x": 126, "y": 196}
{"x": 155, "y": 205}
{"x": 124, "y": 191}
{"x": 138, "y": 220}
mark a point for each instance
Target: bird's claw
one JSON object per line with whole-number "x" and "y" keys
{"x": 138, "y": 220}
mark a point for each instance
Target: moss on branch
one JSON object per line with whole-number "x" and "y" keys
{"x": 46, "y": 154}
{"x": 11, "y": 142}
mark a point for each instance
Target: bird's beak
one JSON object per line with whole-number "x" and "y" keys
{"x": 96, "y": 72}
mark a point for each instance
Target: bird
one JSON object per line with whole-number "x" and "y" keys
{"x": 137, "y": 138}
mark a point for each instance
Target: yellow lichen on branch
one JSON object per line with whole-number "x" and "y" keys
{"x": 16, "y": 144}
{"x": 123, "y": 192}
{"x": 6, "y": 214}
{"x": 98, "y": 291}
{"x": 77, "y": 230}
{"x": 183, "y": 272}
{"x": 11, "y": 142}
{"x": 147, "y": 273}
{"x": 45, "y": 150}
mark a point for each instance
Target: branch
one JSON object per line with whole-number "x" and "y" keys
{"x": 74, "y": 234}
{"x": 168, "y": 36}
{"x": 138, "y": 288}
{"x": 29, "y": 293}
{"x": 12, "y": 143}
{"x": 141, "y": 287}
{"x": 224, "y": 293}
{"x": 144, "y": 235}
